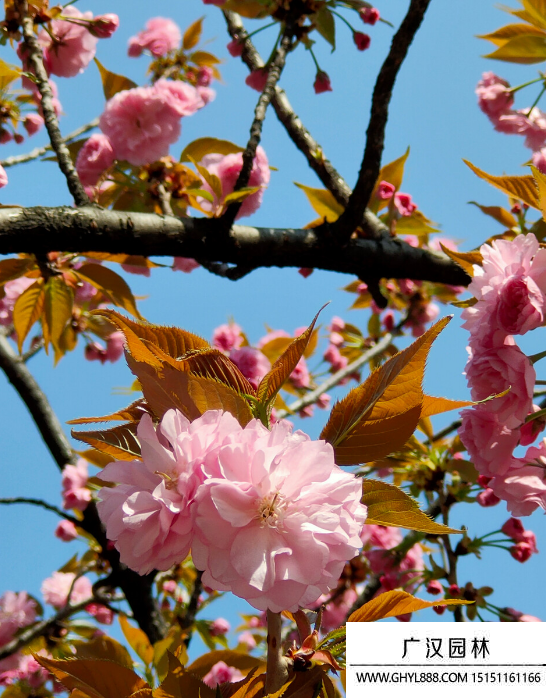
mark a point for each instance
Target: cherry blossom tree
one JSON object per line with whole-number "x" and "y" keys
{"x": 203, "y": 488}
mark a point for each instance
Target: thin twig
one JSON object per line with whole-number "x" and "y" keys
{"x": 192, "y": 608}
{"x": 42, "y": 150}
{"x": 375, "y": 134}
{"x": 33, "y": 350}
{"x": 444, "y": 432}
{"x": 273, "y": 75}
{"x": 334, "y": 379}
{"x": 40, "y": 503}
{"x": 36, "y": 61}
{"x": 164, "y": 200}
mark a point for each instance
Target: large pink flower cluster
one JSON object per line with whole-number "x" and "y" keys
{"x": 267, "y": 514}
{"x": 495, "y": 99}
{"x": 510, "y": 288}
{"x": 17, "y": 610}
{"x": 160, "y": 36}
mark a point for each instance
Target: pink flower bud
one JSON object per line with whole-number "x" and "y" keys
{"x": 513, "y": 528}
{"x": 521, "y": 552}
{"x": 5, "y": 136}
{"x": 305, "y": 271}
{"x": 114, "y": 346}
{"x": 434, "y": 588}
{"x": 219, "y": 627}
{"x": 3, "y": 177}
{"x": 169, "y": 586}
{"x": 257, "y": 79}
{"x": 94, "y": 351}
{"x": 484, "y": 481}
{"x": 33, "y": 122}
{"x": 323, "y": 401}
{"x": 439, "y": 610}
{"x": 322, "y": 82}
{"x": 18, "y": 138}
{"x": 369, "y": 15}
{"x": 204, "y": 77}
{"x": 404, "y": 204}
{"x": 66, "y": 530}
{"x": 385, "y": 190}
{"x": 388, "y": 321}
{"x": 247, "y": 639}
{"x": 104, "y": 26}
{"x": 184, "y": 264}
{"x": 235, "y": 48}
{"x": 361, "y": 40}
{"x": 454, "y": 590}
{"x": 487, "y": 498}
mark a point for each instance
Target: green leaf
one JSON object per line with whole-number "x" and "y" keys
{"x": 396, "y": 603}
{"x": 113, "y": 83}
{"x": 525, "y": 49}
{"x": 28, "y": 308}
{"x": 326, "y": 25}
{"x": 392, "y": 507}
{"x": 323, "y": 202}
{"x": 192, "y": 34}
{"x": 241, "y": 194}
{"x": 111, "y": 285}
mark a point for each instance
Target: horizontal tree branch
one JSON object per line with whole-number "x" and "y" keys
{"x": 40, "y": 230}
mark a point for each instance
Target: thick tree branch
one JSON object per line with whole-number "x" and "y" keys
{"x": 40, "y": 230}
{"x": 299, "y": 135}
{"x": 137, "y": 589}
{"x": 42, "y": 150}
{"x": 375, "y": 135}
{"x": 36, "y": 62}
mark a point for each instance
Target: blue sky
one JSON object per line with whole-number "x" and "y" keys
{"x": 433, "y": 111}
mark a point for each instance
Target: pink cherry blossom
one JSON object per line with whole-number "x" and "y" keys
{"x": 521, "y": 552}
{"x": 228, "y": 337}
{"x": 95, "y": 156}
{"x": 513, "y": 528}
{"x": 102, "y": 614}
{"x": 72, "y": 47}
{"x": 252, "y": 363}
{"x": 141, "y": 124}
{"x": 487, "y": 498}
{"x": 301, "y": 377}
{"x": 227, "y": 169}
{"x": 66, "y": 530}
{"x": 147, "y": 514}
{"x": 12, "y": 291}
{"x": 495, "y": 370}
{"x": 17, "y": 610}
{"x": 257, "y": 79}
{"x": 75, "y": 493}
{"x": 55, "y": 589}
{"x": 104, "y": 26}
{"x": 247, "y": 639}
{"x": 379, "y": 536}
{"x": 323, "y": 401}
{"x": 275, "y": 519}
{"x": 523, "y": 485}
{"x": 369, "y": 15}
{"x": 494, "y": 98}
{"x": 184, "y": 98}
{"x": 185, "y": 264}
{"x": 435, "y": 588}
{"x": 518, "y": 616}
{"x": 335, "y": 358}
{"x": 33, "y": 122}
{"x": 539, "y": 160}
{"x": 219, "y": 627}
{"x": 235, "y": 48}
{"x": 159, "y": 36}
{"x": 385, "y": 190}
{"x": 488, "y": 442}
{"x": 322, "y": 83}
{"x": 335, "y": 612}
{"x": 406, "y": 574}
{"x": 220, "y": 672}
{"x": 520, "y": 305}
{"x": 115, "y": 344}
{"x": 404, "y": 204}
{"x": 205, "y": 76}
{"x": 24, "y": 668}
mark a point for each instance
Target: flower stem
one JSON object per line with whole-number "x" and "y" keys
{"x": 277, "y": 668}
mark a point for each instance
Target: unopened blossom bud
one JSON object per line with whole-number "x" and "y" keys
{"x": 305, "y": 271}
{"x": 434, "y": 588}
{"x": 454, "y": 590}
{"x": 66, "y": 530}
{"x": 104, "y": 26}
{"x": 361, "y": 40}
{"x": 322, "y": 83}
{"x": 235, "y": 48}
{"x": 204, "y": 76}
{"x": 404, "y": 204}
{"x": 484, "y": 481}
{"x": 388, "y": 321}
{"x": 18, "y": 138}
{"x": 385, "y": 190}
{"x": 369, "y": 15}
{"x": 521, "y": 552}
{"x": 487, "y": 498}
{"x": 513, "y": 528}
{"x": 439, "y": 610}
{"x": 219, "y": 627}
{"x": 33, "y": 122}
{"x": 323, "y": 401}
{"x": 257, "y": 79}
{"x": 94, "y": 351}
{"x": 247, "y": 639}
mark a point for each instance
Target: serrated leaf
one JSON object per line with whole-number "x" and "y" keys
{"x": 521, "y": 187}
{"x": 526, "y": 50}
{"x": 173, "y": 341}
{"x": 58, "y": 303}
{"x": 466, "y": 260}
{"x": 393, "y": 173}
{"x": 392, "y": 507}
{"x": 192, "y": 35}
{"x": 196, "y": 150}
{"x": 132, "y": 413}
{"x": 98, "y": 678}
{"x": 111, "y": 285}
{"x": 28, "y": 308}
{"x": 415, "y": 224}
{"x": 179, "y": 683}
{"x": 121, "y": 441}
{"x": 280, "y": 371}
{"x": 380, "y": 415}
{"x": 435, "y": 406}
{"x": 105, "y": 648}
{"x": 14, "y": 267}
{"x": 396, "y": 603}
{"x": 503, "y": 34}
{"x": 169, "y": 388}
{"x": 326, "y": 25}
{"x": 8, "y": 73}
{"x": 323, "y": 202}
{"x": 504, "y": 217}
{"x": 540, "y": 181}
{"x": 137, "y": 639}
{"x": 112, "y": 83}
